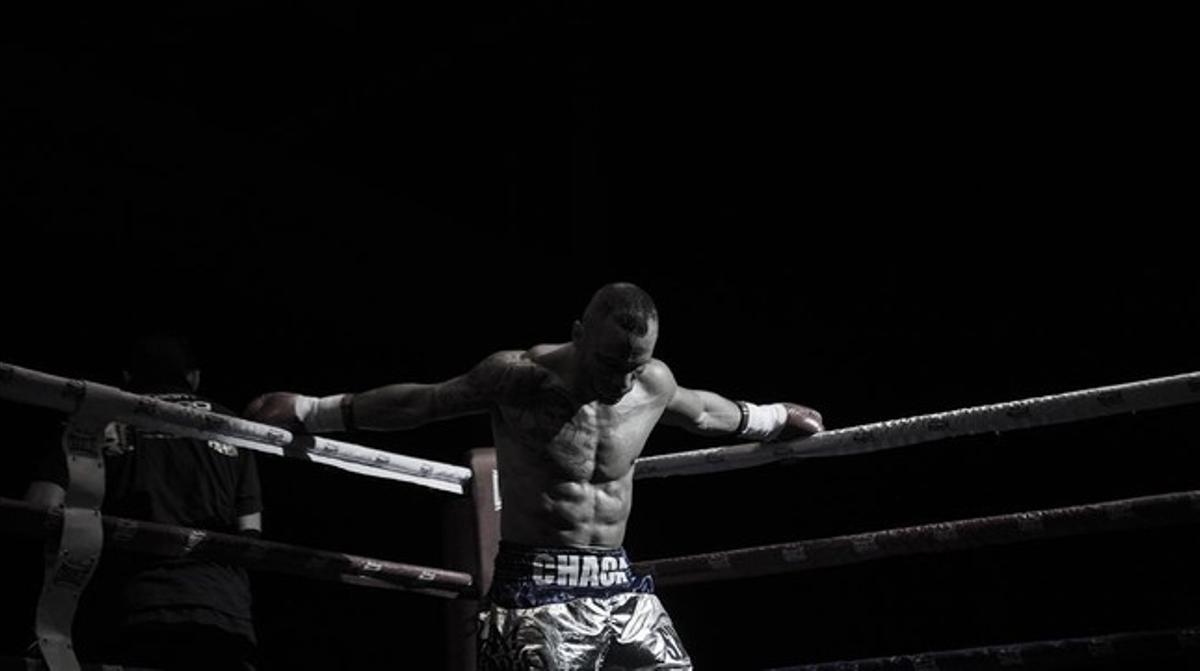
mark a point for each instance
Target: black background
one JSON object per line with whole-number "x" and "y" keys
{"x": 875, "y": 213}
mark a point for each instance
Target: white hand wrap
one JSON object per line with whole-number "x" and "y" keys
{"x": 764, "y": 422}
{"x": 320, "y": 415}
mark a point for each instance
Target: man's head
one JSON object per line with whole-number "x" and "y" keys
{"x": 615, "y": 339}
{"x": 160, "y": 359}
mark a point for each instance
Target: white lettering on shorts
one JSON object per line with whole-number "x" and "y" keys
{"x": 570, "y": 570}
{"x": 544, "y": 570}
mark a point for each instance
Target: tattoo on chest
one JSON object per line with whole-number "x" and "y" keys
{"x": 553, "y": 429}
{"x": 546, "y": 416}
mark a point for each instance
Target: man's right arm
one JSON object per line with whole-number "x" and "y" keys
{"x": 404, "y": 406}
{"x": 395, "y": 406}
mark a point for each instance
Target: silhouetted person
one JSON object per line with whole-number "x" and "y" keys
{"x": 171, "y": 613}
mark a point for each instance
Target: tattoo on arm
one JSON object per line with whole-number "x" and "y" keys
{"x": 454, "y": 397}
{"x": 500, "y": 378}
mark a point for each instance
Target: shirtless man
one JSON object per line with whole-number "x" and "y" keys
{"x": 569, "y": 421}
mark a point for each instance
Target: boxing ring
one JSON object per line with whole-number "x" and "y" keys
{"x": 76, "y": 531}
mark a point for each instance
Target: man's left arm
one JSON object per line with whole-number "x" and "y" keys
{"x": 709, "y": 413}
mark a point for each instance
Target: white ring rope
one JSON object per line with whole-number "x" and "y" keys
{"x": 30, "y": 386}
{"x": 1031, "y": 412}
{"x": 58, "y": 393}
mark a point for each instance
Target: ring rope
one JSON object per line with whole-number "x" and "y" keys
{"x": 1069, "y": 653}
{"x": 1023, "y": 414}
{"x": 58, "y": 393}
{"x": 1148, "y": 511}
{"x": 164, "y": 540}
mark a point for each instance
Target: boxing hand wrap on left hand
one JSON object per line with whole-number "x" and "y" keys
{"x": 777, "y": 420}
{"x": 761, "y": 422}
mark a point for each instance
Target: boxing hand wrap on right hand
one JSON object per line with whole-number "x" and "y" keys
{"x": 761, "y": 422}
{"x": 325, "y": 414}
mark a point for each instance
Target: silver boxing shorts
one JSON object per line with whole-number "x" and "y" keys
{"x": 566, "y": 609}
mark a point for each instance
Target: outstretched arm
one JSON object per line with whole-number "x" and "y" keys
{"x": 702, "y": 412}
{"x": 708, "y": 413}
{"x": 402, "y": 406}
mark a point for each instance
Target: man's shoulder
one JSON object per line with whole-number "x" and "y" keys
{"x": 534, "y": 357}
{"x": 508, "y": 356}
{"x": 508, "y": 377}
{"x": 657, "y": 378}
{"x": 539, "y": 352}
{"x": 507, "y": 370}
{"x": 507, "y": 359}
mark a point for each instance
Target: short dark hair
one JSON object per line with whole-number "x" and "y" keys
{"x": 626, "y": 304}
{"x": 159, "y": 357}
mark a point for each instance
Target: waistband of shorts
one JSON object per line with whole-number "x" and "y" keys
{"x": 533, "y": 575}
{"x": 562, "y": 566}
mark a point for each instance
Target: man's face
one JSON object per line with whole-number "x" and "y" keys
{"x": 613, "y": 358}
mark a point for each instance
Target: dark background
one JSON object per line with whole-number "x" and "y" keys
{"x": 877, "y": 214}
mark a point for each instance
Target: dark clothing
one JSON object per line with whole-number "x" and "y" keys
{"x": 186, "y": 482}
{"x": 184, "y": 647}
